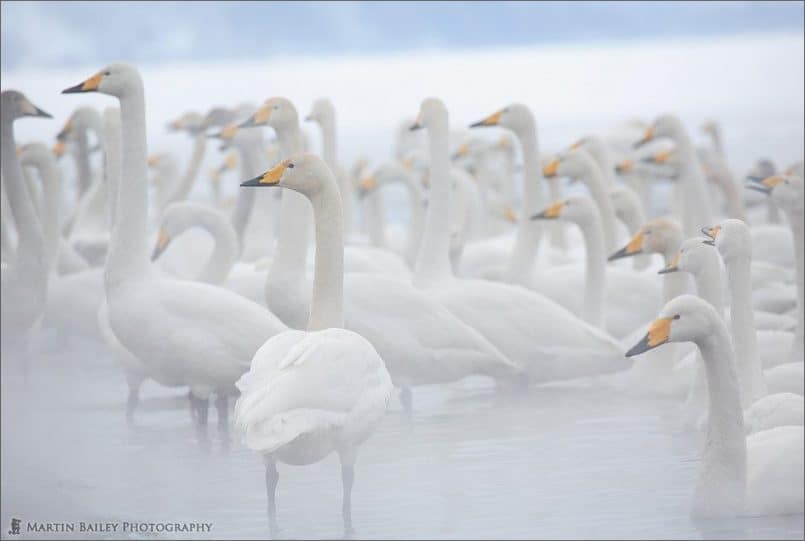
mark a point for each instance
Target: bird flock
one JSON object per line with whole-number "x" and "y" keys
{"x": 310, "y": 307}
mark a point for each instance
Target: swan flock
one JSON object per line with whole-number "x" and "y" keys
{"x": 300, "y": 300}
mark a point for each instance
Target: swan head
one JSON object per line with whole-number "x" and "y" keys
{"x": 785, "y": 190}
{"x": 304, "y": 173}
{"x": 385, "y": 174}
{"x": 218, "y": 117}
{"x": 625, "y": 202}
{"x": 190, "y": 122}
{"x": 693, "y": 256}
{"x": 321, "y": 112}
{"x": 59, "y": 148}
{"x": 664, "y": 126}
{"x": 580, "y": 210}
{"x": 14, "y": 105}
{"x": 686, "y": 318}
{"x": 276, "y": 112}
{"x": 432, "y": 114}
{"x": 574, "y": 163}
{"x": 515, "y": 117}
{"x": 177, "y": 218}
{"x": 115, "y": 80}
{"x": 655, "y": 237}
{"x": 731, "y": 237}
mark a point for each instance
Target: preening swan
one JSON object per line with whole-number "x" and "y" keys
{"x": 758, "y": 475}
{"x": 309, "y": 393}
{"x": 201, "y": 335}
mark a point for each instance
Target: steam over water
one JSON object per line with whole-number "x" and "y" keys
{"x": 562, "y": 461}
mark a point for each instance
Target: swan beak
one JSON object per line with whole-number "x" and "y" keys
{"x": 634, "y": 247}
{"x": 90, "y": 85}
{"x": 417, "y": 125}
{"x": 269, "y": 178}
{"x": 176, "y": 125}
{"x": 65, "y": 131}
{"x": 309, "y": 118}
{"x": 162, "y": 242}
{"x": 509, "y": 215}
{"x": 657, "y": 335}
{"x": 153, "y": 160}
{"x": 58, "y": 148}
{"x": 711, "y": 233}
{"x": 491, "y": 120}
{"x": 463, "y": 150}
{"x": 658, "y": 158}
{"x": 551, "y": 213}
{"x": 551, "y": 168}
{"x": 366, "y": 185}
{"x": 647, "y": 136}
{"x": 29, "y": 109}
{"x": 577, "y": 144}
{"x": 766, "y": 185}
{"x": 624, "y": 166}
{"x": 260, "y": 118}
{"x": 673, "y": 267}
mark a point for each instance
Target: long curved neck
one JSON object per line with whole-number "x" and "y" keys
{"x": 290, "y": 253}
{"x": 417, "y": 218}
{"x": 327, "y": 304}
{"x": 375, "y": 219}
{"x": 82, "y": 161}
{"x": 555, "y": 229}
{"x": 128, "y": 252}
{"x": 433, "y": 262}
{"x": 182, "y": 188}
{"x": 328, "y": 149}
{"x": 225, "y": 248}
{"x": 722, "y": 477}
{"x": 31, "y": 256}
{"x": 674, "y": 284}
{"x": 698, "y": 212}
{"x": 529, "y": 232}
{"x": 595, "y": 268}
{"x": 795, "y": 219}
{"x": 51, "y": 177}
{"x": 245, "y": 200}
{"x": 593, "y": 179}
{"x": 750, "y": 374}
{"x": 633, "y": 218}
{"x": 112, "y": 160}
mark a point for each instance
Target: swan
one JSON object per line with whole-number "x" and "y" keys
{"x": 323, "y": 113}
{"x": 757, "y": 475}
{"x": 565, "y": 348}
{"x": 192, "y": 124}
{"x": 25, "y": 279}
{"x": 613, "y": 299}
{"x": 697, "y": 206}
{"x": 197, "y": 333}
{"x": 787, "y": 192}
{"x": 309, "y": 393}
{"x": 629, "y": 210}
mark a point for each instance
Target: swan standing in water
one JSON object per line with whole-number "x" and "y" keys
{"x": 24, "y": 280}
{"x": 201, "y": 335}
{"x": 309, "y": 393}
{"x": 759, "y": 475}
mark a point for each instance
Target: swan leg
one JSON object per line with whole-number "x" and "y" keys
{"x": 192, "y": 405}
{"x": 133, "y": 399}
{"x": 222, "y": 407}
{"x": 272, "y": 477}
{"x": 347, "y": 478}
{"x": 201, "y": 405}
{"x": 407, "y": 401}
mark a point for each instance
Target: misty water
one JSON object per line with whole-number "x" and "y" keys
{"x": 560, "y": 461}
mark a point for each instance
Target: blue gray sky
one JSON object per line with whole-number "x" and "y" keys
{"x": 43, "y": 34}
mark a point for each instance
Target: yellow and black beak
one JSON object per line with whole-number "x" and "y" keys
{"x": 551, "y": 213}
{"x": 625, "y": 166}
{"x": 462, "y": 151}
{"x": 551, "y": 168}
{"x": 647, "y": 136}
{"x": 175, "y": 125}
{"x": 634, "y": 247}
{"x": 162, "y": 242}
{"x": 90, "y": 85}
{"x": 417, "y": 125}
{"x": 59, "y": 148}
{"x": 672, "y": 267}
{"x": 659, "y": 158}
{"x": 491, "y": 120}
{"x": 711, "y": 233}
{"x": 366, "y": 185}
{"x": 260, "y": 118}
{"x": 764, "y": 185}
{"x": 271, "y": 177}
{"x": 657, "y": 335}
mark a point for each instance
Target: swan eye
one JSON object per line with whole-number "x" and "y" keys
{"x": 676, "y": 316}
{"x": 290, "y": 166}
{"x": 107, "y": 73}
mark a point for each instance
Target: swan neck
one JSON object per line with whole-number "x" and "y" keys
{"x": 697, "y": 210}
{"x": 744, "y": 337}
{"x": 417, "y": 218}
{"x": 375, "y": 219}
{"x": 224, "y": 252}
{"x": 595, "y": 268}
{"x": 529, "y": 232}
{"x": 182, "y": 188}
{"x": 82, "y": 161}
{"x": 433, "y": 262}
{"x": 795, "y": 219}
{"x": 327, "y": 304}
{"x": 594, "y": 180}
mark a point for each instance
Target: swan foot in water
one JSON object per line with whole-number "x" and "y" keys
{"x": 407, "y": 401}
{"x": 132, "y": 401}
{"x": 272, "y": 477}
{"x": 222, "y": 407}
{"x": 347, "y": 477}
{"x": 201, "y": 407}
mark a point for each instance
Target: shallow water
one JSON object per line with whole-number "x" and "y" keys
{"x": 563, "y": 461}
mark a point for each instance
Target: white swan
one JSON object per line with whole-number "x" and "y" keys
{"x": 309, "y": 393}
{"x": 528, "y": 328}
{"x": 199, "y": 334}
{"x": 24, "y": 280}
{"x": 759, "y": 475}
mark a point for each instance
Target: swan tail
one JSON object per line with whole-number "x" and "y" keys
{"x": 269, "y": 435}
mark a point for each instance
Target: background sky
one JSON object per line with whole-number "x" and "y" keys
{"x": 48, "y": 34}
